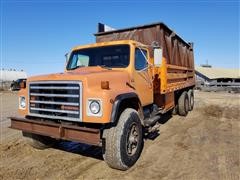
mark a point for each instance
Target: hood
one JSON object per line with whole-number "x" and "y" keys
{"x": 88, "y": 75}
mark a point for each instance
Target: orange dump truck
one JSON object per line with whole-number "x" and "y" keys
{"x": 112, "y": 92}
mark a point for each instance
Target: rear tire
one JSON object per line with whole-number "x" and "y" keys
{"x": 183, "y": 104}
{"x": 191, "y": 99}
{"x": 124, "y": 142}
{"x": 175, "y": 110}
{"x": 38, "y": 141}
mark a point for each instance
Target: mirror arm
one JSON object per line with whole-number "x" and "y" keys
{"x": 145, "y": 57}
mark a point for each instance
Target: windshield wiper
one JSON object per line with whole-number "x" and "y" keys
{"x": 105, "y": 67}
{"x": 77, "y": 67}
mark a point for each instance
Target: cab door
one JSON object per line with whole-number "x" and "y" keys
{"x": 142, "y": 76}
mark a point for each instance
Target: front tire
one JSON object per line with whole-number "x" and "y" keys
{"x": 38, "y": 141}
{"x": 124, "y": 142}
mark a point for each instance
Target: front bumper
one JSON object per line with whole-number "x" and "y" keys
{"x": 57, "y": 130}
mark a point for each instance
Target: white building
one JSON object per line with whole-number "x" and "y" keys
{"x": 214, "y": 79}
{"x": 12, "y": 75}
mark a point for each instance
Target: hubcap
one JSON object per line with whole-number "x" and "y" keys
{"x": 132, "y": 141}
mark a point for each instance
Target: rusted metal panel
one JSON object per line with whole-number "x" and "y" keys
{"x": 57, "y": 130}
{"x": 178, "y": 67}
{"x": 174, "y": 85}
{"x": 175, "y": 50}
{"x": 52, "y": 131}
{"x": 169, "y": 101}
{"x": 164, "y": 101}
{"x": 176, "y": 76}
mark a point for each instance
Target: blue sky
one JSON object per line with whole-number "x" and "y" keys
{"x": 35, "y": 35}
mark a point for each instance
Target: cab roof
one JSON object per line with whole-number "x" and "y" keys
{"x": 108, "y": 43}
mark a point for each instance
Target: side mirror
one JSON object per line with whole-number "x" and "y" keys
{"x": 67, "y": 57}
{"x": 157, "y": 57}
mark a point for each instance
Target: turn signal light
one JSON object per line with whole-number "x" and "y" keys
{"x": 105, "y": 84}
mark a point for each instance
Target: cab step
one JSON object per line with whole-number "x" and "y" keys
{"x": 151, "y": 121}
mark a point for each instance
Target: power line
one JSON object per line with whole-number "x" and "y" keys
{"x": 22, "y": 63}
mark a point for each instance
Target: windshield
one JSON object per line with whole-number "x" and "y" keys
{"x": 107, "y": 56}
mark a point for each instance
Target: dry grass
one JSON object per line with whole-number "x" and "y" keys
{"x": 221, "y": 111}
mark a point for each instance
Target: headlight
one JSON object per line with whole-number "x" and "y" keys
{"x": 22, "y": 102}
{"x": 94, "y": 107}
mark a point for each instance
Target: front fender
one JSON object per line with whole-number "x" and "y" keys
{"x": 117, "y": 102}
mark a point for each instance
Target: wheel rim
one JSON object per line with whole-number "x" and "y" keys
{"x": 132, "y": 140}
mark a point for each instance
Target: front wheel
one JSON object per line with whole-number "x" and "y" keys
{"x": 124, "y": 142}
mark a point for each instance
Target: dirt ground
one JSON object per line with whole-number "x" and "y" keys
{"x": 204, "y": 145}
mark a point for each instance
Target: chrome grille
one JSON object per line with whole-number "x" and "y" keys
{"x": 56, "y": 100}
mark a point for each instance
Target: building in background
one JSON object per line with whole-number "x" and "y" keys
{"x": 7, "y": 76}
{"x": 217, "y": 79}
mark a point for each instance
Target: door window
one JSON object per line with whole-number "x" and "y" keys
{"x": 140, "y": 59}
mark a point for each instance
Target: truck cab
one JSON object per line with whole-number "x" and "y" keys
{"x": 94, "y": 76}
